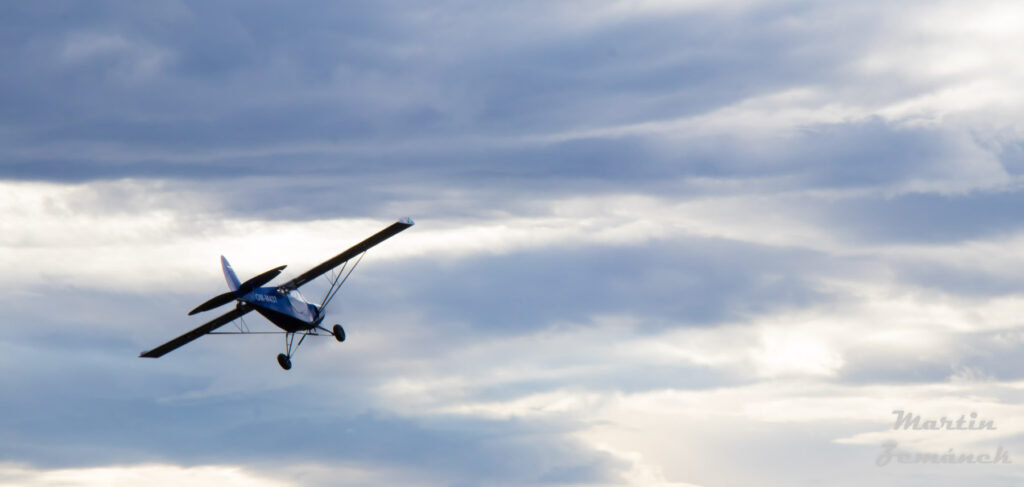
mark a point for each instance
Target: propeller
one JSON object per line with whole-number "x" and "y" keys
{"x": 215, "y": 302}
{"x": 247, "y": 286}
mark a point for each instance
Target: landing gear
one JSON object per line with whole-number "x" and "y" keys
{"x": 290, "y": 345}
{"x": 286, "y": 363}
{"x": 285, "y": 359}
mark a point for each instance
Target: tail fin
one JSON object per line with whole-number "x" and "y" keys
{"x": 229, "y": 274}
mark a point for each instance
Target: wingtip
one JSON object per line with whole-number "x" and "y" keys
{"x": 407, "y": 221}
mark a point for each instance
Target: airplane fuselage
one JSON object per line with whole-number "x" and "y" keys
{"x": 288, "y": 311}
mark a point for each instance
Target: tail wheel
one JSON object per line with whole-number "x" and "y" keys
{"x": 339, "y": 333}
{"x": 286, "y": 363}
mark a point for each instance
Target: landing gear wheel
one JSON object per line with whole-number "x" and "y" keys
{"x": 286, "y": 363}
{"x": 339, "y": 333}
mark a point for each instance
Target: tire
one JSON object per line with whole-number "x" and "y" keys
{"x": 286, "y": 363}
{"x": 339, "y": 333}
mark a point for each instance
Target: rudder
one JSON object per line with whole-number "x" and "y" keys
{"x": 229, "y": 274}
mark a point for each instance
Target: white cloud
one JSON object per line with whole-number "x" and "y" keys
{"x": 139, "y": 237}
{"x": 132, "y": 475}
{"x": 266, "y": 475}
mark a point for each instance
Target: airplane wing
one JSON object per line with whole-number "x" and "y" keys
{"x": 198, "y": 332}
{"x": 348, "y": 254}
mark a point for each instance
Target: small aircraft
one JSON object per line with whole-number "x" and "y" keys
{"x": 283, "y": 305}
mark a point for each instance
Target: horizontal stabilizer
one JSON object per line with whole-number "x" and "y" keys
{"x": 215, "y": 302}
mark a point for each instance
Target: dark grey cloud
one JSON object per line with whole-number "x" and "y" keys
{"x": 389, "y": 74}
{"x": 695, "y": 282}
{"x": 871, "y": 153}
{"x": 868, "y": 155}
{"x": 958, "y": 280}
{"x": 925, "y": 218}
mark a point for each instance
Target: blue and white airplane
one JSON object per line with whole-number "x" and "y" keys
{"x": 283, "y": 305}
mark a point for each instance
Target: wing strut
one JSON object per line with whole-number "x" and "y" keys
{"x": 356, "y": 249}
{"x": 336, "y": 284}
{"x": 198, "y": 332}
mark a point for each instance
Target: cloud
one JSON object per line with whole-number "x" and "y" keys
{"x": 658, "y": 243}
{"x": 134, "y": 475}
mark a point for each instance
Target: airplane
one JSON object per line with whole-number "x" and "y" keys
{"x": 282, "y": 305}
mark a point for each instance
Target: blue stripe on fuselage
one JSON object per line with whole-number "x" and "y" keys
{"x": 289, "y": 312}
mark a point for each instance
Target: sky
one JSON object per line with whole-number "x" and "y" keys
{"x": 658, "y": 243}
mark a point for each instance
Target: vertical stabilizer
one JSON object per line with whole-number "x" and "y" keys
{"x": 229, "y": 274}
